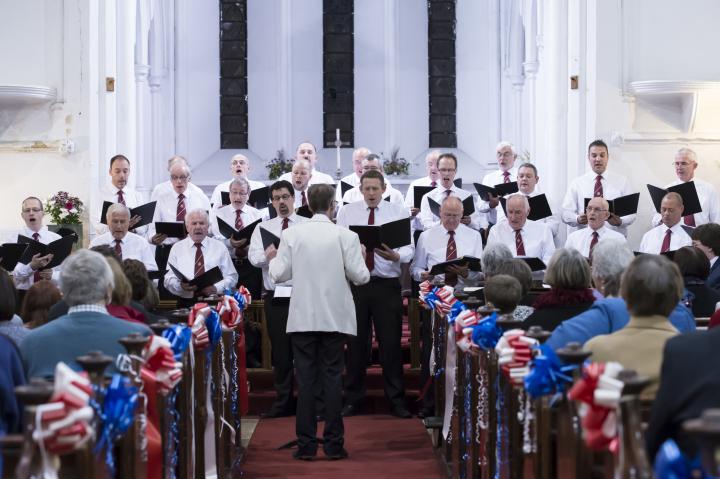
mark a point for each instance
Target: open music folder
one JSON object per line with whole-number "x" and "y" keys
{"x": 208, "y": 278}
{"x": 394, "y": 234}
{"x": 229, "y": 232}
{"x": 145, "y": 212}
{"x": 60, "y": 249}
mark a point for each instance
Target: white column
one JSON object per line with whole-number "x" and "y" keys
{"x": 125, "y": 128}
{"x": 530, "y": 66}
{"x": 144, "y": 169}
{"x": 157, "y": 59}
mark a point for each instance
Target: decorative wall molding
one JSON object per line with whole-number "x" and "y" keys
{"x": 25, "y": 96}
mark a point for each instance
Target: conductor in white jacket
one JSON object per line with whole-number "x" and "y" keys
{"x": 320, "y": 258}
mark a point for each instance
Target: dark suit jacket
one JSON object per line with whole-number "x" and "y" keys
{"x": 714, "y": 279}
{"x": 689, "y": 384}
{"x": 550, "y": 318}
{"x": 705, "y": 299}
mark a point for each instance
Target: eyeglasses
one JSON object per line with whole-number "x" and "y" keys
{"x": 446, "y": 170}
{"x": 681, "y": 163}
{"x": 32, "y": 210}
{"x": 281, "y": 198}
{"x": 179, "y": 178}
{"x": 506, "y": 154}
{"x": 592, "y": 209}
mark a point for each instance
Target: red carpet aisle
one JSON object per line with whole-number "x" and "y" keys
{"x": 379, "y": 446}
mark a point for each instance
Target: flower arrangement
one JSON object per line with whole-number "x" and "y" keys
{"x": 396, "y": 165}
{"x": 64, "y": 209}
{"x": 278, "y": 165}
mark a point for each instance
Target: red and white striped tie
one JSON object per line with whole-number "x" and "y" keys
{"x": 519, "y": 245}
{"x": 199, "y": 260}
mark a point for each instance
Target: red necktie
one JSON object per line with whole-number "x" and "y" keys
{"x": 118, "y": 249}
{"x": 199, "y": 260}
{"x": 180, "y": 215}
{"x": 36, "y": 276}
{"x": 239, "y": 252}
{"x": 598, "y": 191}
{"x": 593, "y": 242}
{"x": 689, "y": 220}
{"x": 448, "y": 193}
{"x": 121, "y": 198}
{"x": 304, "y": 198}
{"x": 370, "y": 255}
{"x": 666, "y": 242}
{"x": 519, "y": 245}
{"x": 451, "y": 279}
{"x": 433, "y": 184}
{"x": 285, "y": 223}
{"x": 506, "y": 177}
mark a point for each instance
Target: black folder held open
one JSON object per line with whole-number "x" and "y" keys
{"x": 394, "y": 234}
{"x": 173, "y": 229}
{"x": 10, "y": 254}
{"x": 419, "y": 192}
{"x": 501, "y": 189}
{"x": 468, "y": 206}
{"x": 229, "y": 232}
{"x": 145, "y": 212}
{"x": 687, "y": 191}
{"x": 471, "y": 262}
{"x": 259, "y": 198}
{"x": 60, "y": 249}
{"x": 269, "y": 238}
{"x": 344, "y": 188}
{"x": 622, "y": 205}
{"x": 539, "y": 207}
{"x": 536, "y": 264}
{"x": 208, "y": 278}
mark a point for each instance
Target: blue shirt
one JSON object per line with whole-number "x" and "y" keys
{"x": 606, "y": 316}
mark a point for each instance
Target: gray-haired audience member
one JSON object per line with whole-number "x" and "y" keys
{"x": 519, "y": 270}
{"x": 503, "y": 292}
{"x": 609, "y": 314}
{"x": 87, "y": 284}
{"x": 493, "y": 256}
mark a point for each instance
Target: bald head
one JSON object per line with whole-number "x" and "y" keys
{"x": 301, "y": 173}
{"x": 518, "y": 208}
{"x": 671, "y": 209}
{"x": 239, "y": 166}
{"x": 451, "y": 211}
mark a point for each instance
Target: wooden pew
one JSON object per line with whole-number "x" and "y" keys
{"x": 31, "y": 395}
{"x": 632, "y": 461}
{"x": 706, "y": 431}
{"x": 538, "y": 463}
{"x": 163, "y": 412}
{"x": 133, "y": 448}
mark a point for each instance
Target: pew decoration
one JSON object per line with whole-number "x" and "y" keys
{"x": 515, "y": 351}
{"x": 672, "y": 463}
{"x": 205, "y": 325}
{"x": 440, "y": 299}
{"x": 231, "y": 309}
{"x": 179, "y": 336}
{"x": 486, "y": 333}
{"x": 63, "y": 425}
{"x": 547, "y": 374}
{"x": 118, "y": 409}
{"x": 160, "y": 367}
{"x": 599, "y": 391}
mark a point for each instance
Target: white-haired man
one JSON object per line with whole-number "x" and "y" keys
{"x": 239, "y": 168}
{"x": 306, "y": 151}
{"x": 87, "y": 283}
{"x": 127, "y": 245}
{"x": 195, "y": 255}
{"x": 506, "y": 173}
{"x": 586, "y": 239}
{"x": 167, "y": 186}
{"x": 685, "y": 164}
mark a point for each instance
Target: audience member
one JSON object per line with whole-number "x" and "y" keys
{"x": 503, "y": 292}
{"x": 86, "y": 282}
{"x": 11, "y": 376}
{"x": 119, "y": 305}
{"x": 694, "y": 268}
{"x": 37, "y": 302}
{"x": 11, "y": 324}
{"x": 651, "y": 287}
{"x": 519, "y": 270}
{"x": 568, "y": 275}
{"x": 143, "y": 291}
{"x": 707, "y": 238}
{"x": 493, "y": 257}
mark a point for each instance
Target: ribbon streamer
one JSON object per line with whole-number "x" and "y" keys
{"x": 547, "y": 374}
{"x": 486, "y": 333}
{"x": 160, "y": 367}
{"x": 205, "y": 325}
{"x": 179, "y": 337}
{"x": 121, "y": 398}
{"x": 672, "y": 463}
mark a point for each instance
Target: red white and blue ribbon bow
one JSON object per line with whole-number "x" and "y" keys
{"x": 160, "y": 365}
{"x": 205, "y": 325}
{"x": 514, "y": 350}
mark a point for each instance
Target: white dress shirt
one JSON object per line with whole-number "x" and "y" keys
{"x": 432, "y": 249}
{"x": 23, "y": 274}
{"x": 216, "y": 198}
{"x": 709, "y": 203}
{"x": 166, "y": 187}
{"x": 228, "y": 215}
{"x": 581, "y": 239}
{"x": 426, "y": 219}
{"x": 133, "y": 247}
{"x": 582, "y": 187}
{"x": 353, "y": 195}
{"x": 357, "y": 213}
{"x": 108, "y": 192}
{"x": 537, "y": 239}
{"x": 182, "y": 256}
{"x": 318, "y": 177}
{"x": 256, "y": 253}
{"x": 551, "y": 222}
{"x": 652, "y": 240}
{"x": 491, "y": 179}
{"x": 166, "y": 209}
{"x": 298, "y": 197}
{"x": 321, "y": 259}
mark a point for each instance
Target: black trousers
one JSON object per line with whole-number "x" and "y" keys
{"x": 378, "y": 301}
{"x": 250, "y": 277}
{"x": 319, "y": 357}
{"x": 276, "y": 312}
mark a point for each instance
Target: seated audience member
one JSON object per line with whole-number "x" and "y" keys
{"x": 493, "y": 257}
{"x": 11, "y": 324}
{"x": 11, "y": 376}
{"x": 86, "y": 282}
{"x": 119, "y": 305}
{"x": 568, "y": 275}
{"x": 707, "y": 238}
{"x": 651, "y": 287}
{"x": 124, "y": 243}
{"x": 585, "y": 239}
{"x": 143, "y": 291}
{"x": 688, "y": 386}
{"x": 670, "y": 234}
{"x": 503, "y": 292}
{"x": 694, "y": 268}
{"x": 519, "y": 270}
{"x": 195, "y": 255}
{"x": 609, "y": 314}
{"x": 37, "y": 302}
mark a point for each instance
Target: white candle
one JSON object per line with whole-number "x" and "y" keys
{"x": 337, "y": 134}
